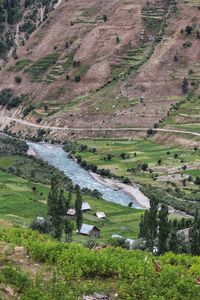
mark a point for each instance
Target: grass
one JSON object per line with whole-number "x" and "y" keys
{"x": 20, "y": 204}
{"x": 20, "y": 65}
{"x": 145, "y": 151}
{"x": 38, "y": 69}
{"x": 119, "y": 219}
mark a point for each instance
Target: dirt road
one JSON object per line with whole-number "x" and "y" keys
{"x": 4, "y": 120}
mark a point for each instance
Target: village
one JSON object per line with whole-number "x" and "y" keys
{"x": 86, "y": 229}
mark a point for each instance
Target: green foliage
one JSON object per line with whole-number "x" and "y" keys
{"x": 18, "y": 79}
{"x": 38, "y": 69}
{"x": 130, "y": 274}
{"x": 195, "y": 235}
{"x": 14, "y": 277}
{"x": 78, "y": 205}
{"x": 163, "y": 229}
{"x": 20, "y": 65}
{"x": 151, "y": 224}
{"x": 8, "y": 99}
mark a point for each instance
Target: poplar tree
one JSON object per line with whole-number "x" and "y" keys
{"x": 68, "y": 229}
{"x": 55, "y": 208}
{"x": 151, "y": 226}
{"x": 163, "y": 229}
{"x": 194, "y": 235}
{"x": 173, "y": 241}
{"x": 78, "y": 205}
{"x": 148, "y": 224}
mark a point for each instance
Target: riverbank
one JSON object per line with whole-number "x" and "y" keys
{"x": 131, "y": 190}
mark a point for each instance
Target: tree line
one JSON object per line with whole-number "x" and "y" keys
{"x": 57, "y": 224}
{"x": 162, "y": 234}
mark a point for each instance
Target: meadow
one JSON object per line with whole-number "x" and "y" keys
{"x": 161, "y": 158}
{"x": 22, "y": 200}
{"x": 171, "y": 171}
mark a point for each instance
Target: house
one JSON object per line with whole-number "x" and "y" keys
{"x": 184, "y": 233}
{"x": 71, "y": 213}
{"x": 85, "y": 207}
{"x": 89, "y": 230}
{"x": 100, "y": 215}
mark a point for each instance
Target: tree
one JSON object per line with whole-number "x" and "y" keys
{"x": 148, "y": 224}
{"x": 55, "y": 208}
{"x": 152, "y": 223}
{"x": 163, "y": 231}
{"x": 159, "y": 161}
{"x": 18, "y": 79}
{"x": 144, "y": 166}
{"x": 173, "y": 241}
{"x": 64, "y": 202}
{"x": 78, "y": 205}
{"x": 68, "y": 229}
{"x": 143, "y": 225}
{"x": 194, "y": 235}
{"x": 105, "y": 18}
{"x": 185, "y": 86}
{"x": 117, "y": 39}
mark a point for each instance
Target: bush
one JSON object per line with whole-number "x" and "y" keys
{"x": 18, "y": 79}
{"x": 77, "y": 78}
{"x": 8, "y": 99}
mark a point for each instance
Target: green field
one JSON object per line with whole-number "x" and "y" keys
{"x": 139, "y": 151}
{"x": 20, "y": 204}
{"x": 171, "y": 170}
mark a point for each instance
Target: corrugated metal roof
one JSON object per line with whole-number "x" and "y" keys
{"x": 85, "y": 206}
{"x": 100, "y": 215}
{"x": 71, "y": 212}
{"x": 86, "y": 229}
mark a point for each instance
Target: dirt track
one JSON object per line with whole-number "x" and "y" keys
{"x": 6, "y": 120}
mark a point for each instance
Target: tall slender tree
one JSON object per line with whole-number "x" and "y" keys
{"x": 78, "y": 205}
{"x": 173, "y": 241}
{"x": 194, "y": 235}
{"x": 163, "y": 229}
{"x": 152, "y": 223}
{"x": 55, "y": 208}
{"x": 68, "y": 229}
{"x": 148, "y": 224}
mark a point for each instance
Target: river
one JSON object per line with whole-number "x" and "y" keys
{"x": 57, "y": 157}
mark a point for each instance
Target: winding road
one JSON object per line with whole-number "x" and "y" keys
{"x": 5, "y": 120}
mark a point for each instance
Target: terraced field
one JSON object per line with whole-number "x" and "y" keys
{"x": 145, "y": 162}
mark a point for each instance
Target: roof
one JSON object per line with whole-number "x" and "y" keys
{"x": 100, "y": 215}
{"x": 86, "y": 229}
{"x": 85, "y": 206}
{"x": 71, "y": 212}
{"x": 185, "y": 232}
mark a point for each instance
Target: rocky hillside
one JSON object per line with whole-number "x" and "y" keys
{"x": 18, "y": 20}
{"x": 103, "y": 63}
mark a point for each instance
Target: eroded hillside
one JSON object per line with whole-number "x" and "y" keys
{"x": 106, "y": 63}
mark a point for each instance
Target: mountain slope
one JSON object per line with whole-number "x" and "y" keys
{"x": 107, "y": 63}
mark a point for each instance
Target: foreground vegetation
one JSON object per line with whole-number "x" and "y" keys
{"x": 76, "y": 270}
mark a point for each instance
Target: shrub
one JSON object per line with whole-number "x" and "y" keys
{"x": 18, "y": 79}
{"x": 188, "y": 29}
{"x": 77, "y": 78}
{"x": 105, "y": 18}
{"x": 185, "y": 86}
{"x": 117, "y": 39}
